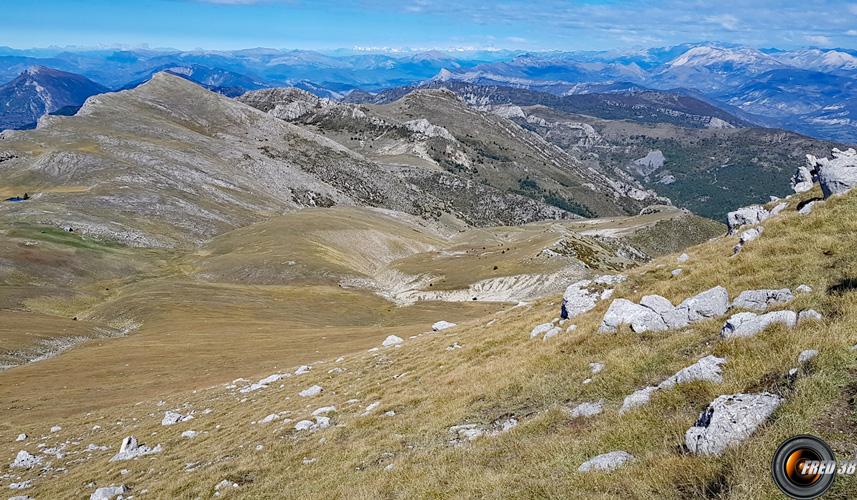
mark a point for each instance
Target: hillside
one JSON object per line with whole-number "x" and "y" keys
{"x": 482, "y": 408}
{"x": 433, "y": 130}
{"x": 39, "y": 91}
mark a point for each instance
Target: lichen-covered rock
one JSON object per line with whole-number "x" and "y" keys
{"x": 747, "y": 324}
{"x": 761, "y": 300}
{"x": 606, "y": 462}
{"x": 729, "y": 420}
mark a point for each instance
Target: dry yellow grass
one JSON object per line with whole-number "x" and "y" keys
{"x": 500, "y": 372}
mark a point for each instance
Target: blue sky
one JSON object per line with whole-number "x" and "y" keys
{"x": 443, "y": 24}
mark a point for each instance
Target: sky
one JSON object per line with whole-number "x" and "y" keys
{"x": 425, "y": 24}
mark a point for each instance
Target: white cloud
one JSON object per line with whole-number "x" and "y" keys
{"x": 725, "y": 21}
{"x": 851, "y": 32}
{"x": 818, "y": 40}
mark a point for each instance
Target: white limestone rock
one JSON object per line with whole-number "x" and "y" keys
{"x": 836, "y": 175}
{"x": 750, "y": 235}
{"x": 802, "y": 180}
{"x": 553, "y": 332}
{"x": 172, "y": 418}
{"x": 24, "y": 460}
{"x": 752, "y": 215}
{"x": 606, "y": 462}
{"x": 130, "y": 450}
{"x": 747, "y": 324}
{"x": 313, "y": 390}
{"x": 303, "y": 369}
{"x": 637, "y": 399}
{"x": 809, "y": 315}
{"x": 392, "y": 340}
{"x": 778, "y": 209}
{"x": 807, "y": 209}
{"x": 190, "y": 434}
{"x": 596, "y": 367}
{"x": 304, "y": 425}
{"x": 587, "y": 409}
{"x": 807, "y": 356}
{"x": 706, "y": 369}
{"x": 676, "y": 272}
{"x": 681, "y": 259}
{"x": 623, "y": 311}
{"x": 761, "y": 300}
{"x": 442, "y": 325}
{"x": 803, "y": 289}
{"x": 324, "y": 410}
{"x": 729, "y": 420}
{"x": 540, "y": 329}
{"x": 108, "y": 492}
{"x": 21, "y": 437}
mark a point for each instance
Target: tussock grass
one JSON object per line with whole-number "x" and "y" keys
{"x": 500, "y": 372}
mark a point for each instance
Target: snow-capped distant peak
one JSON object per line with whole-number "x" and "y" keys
{"x": 443, "y": 75}
{"x": 837, "y": 59}
{"x": 710, "y": 55}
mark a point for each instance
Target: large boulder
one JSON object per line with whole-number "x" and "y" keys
{"x": 761, "y": 300}
{"x": 752, "y": 215}
{"x": 711, "y": 303}
{"x": 747, "y": 324}
{"x": 802, "y": 180}
{"x": 729, "y": 420}
{"x": 837, "y": 175}
{"x": 606, "y": 462}
{"x": 625, "y": 312}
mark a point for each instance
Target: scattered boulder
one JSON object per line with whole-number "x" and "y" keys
{"x": 24, "y": 460}
{"x": 802, "y": 180}
{"x": 553, "y": 332}
{"x": 761, "y": 300}
{"x": 268, "y": 419}
{"x": 637, "y": 399}
{"x": 807, "y": 209}
{"x": 744, "y": 216}
{"x": 453, "y": 346}
{"x": 23, "y": 485}
{"x": 606, "y": 462}
{"x": 21, "y": 437}
{"x": 837, "y": 175}
{"x": 807, "y": 356}
{"x": 579, "y": 298}
{"x": 623, "y": 311}
{"x": 322, "y": 422}
{"x": 391, "y": 341}
{"x": 130, "y": 450}
{"x": 313, "y": 390}
{"x": 225, "y": 485}
{"x": 464, "y": 432}
{"x": 729, "y": 420}
{"x": 324, "y": 410}
{"x": 711, "y": 303}
{"x": 747, "y": 324}
{"x": 108, "y": 492}
{"x": 587, "y": 409}
{"x": 540, "y": 329}
{"x": 809, "y": 315}
{"x": 442, "y": 325}
{"x": 304, "y": 425}
{"x": 172, "y": 418}
{"x": 303, "y": 369}
{"x": 706, "y": 369}
{"x": 265, "y": 382}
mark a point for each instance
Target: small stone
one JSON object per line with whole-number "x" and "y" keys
{"x": 606, "y": 462}
{"x": 677, "y": 272}
{"x": 587, "y": 409}
{"x": 637, "y": 399}
{"x": 596, "y": 367}
{"x": 540, "y": 329}
{"x": 807, "y": 356}
{"x": 391, "y": 341}
{"x": 681, "y": 259}
{"x": 311, "y": 391}
{"x": 270, "y": 418}
{"x": 804, "y": 289}
{"x": 442, "y": 325}
{"x": 706, "y": 369}
{"x": 322, "y": 422}
{"x": 807, "y": 209}
{"x": 303, "y": 369}
{"x": 189, "y": 434}
{"x": 172, "y": 418}
{"x": 553, "y": 332}
{"x": 21, "y": 437}
{"x": 304, "y": 425}
{"x": 324, "y": 410}
{"x": 809, "y": 315}
{"x": 56, "y": 428}
{"x": 108, "y": 492}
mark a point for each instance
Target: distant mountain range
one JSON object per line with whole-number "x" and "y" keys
{"x": 811, "y": 91}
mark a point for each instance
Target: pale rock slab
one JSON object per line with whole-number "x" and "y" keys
{"x": 108, "y": 492}
{"x": 587, "y": 409}
{"x": 392, "y": 340}
{"x": 761, "y": 300}
{"x": 24, "y": 460}
{"x": 836, "y": 175}
{"x": 311, "y": 391}
{"x": 729, "y": 420}
{"x": 637, "y": 399}
{"x": 752, "y": 215}
{"x": 706, "y": 369}
{"x": 442, "y": 325}
{"x": 807, "y": 356}
{"x": 747, "y": 324}
{"x": 606, "y": 462}
{"x": 809, "y": 315}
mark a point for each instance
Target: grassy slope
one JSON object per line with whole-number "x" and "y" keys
{"x": 500, "y": 372}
